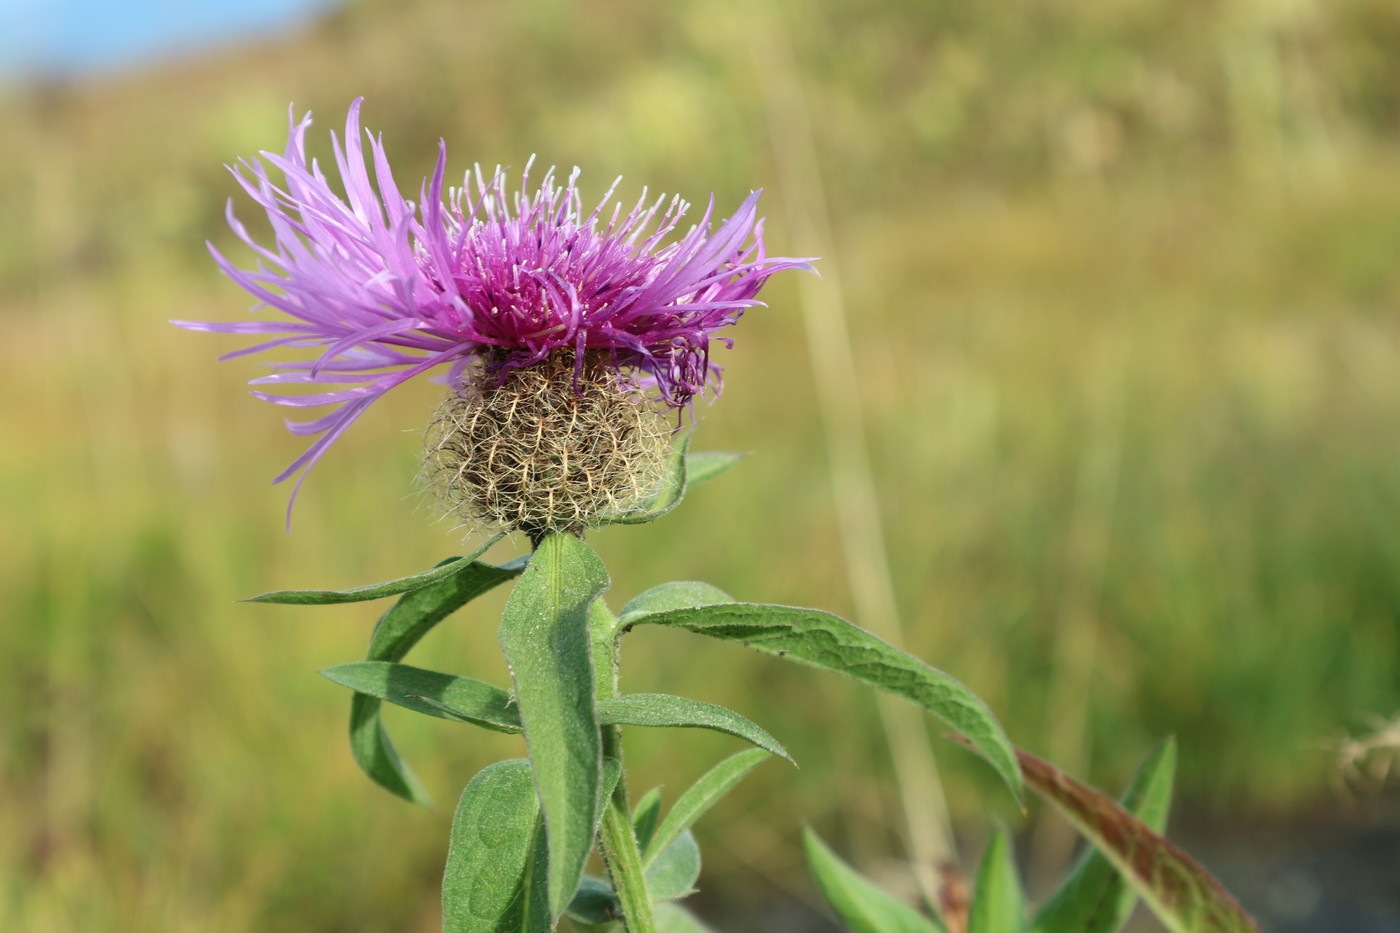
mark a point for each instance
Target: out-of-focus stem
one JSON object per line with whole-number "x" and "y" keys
{"x": 616, "y": 838}
{"x": 928, "y": 834}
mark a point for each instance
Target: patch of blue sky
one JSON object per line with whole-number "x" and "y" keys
{"x": 64, "y": 37}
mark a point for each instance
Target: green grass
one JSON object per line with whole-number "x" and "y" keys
{"x": 1122, "y": 292}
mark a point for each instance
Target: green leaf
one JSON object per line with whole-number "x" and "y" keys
{"x": 673, "y": 873}
{"x": 407, "y": 584}
{"x": 670, "y": 596}
{"x": 460, "y": 699}
{"x": 544, "y": 635}
{"x": 858, "y": 903}
{"x": 705, "y": 466}
{"x": 1095, "y": 898}
{"x": 701, "y": 796}
{"x": 673, "y": 918}
{"x": 998, "y": 906}
{"x": 594, "y": 903}
{"x": 644, "y": 816}
{"x": 1179, "y": 890}
{"x": 496, "y": 863}
{"x": 662, "y": 710}
{"x": 399, "y": 629}
{"x": 820, "y": 639}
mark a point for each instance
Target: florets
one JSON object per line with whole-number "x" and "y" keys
{"x": 479, "y": 281}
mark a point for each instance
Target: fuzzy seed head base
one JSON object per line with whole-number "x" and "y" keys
{"x": 545, "y": 448}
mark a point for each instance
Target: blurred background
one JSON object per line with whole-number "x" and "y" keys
{"x": 1118, "y": 285}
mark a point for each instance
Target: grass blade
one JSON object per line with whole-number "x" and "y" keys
{"x": 998, "y": 906}
{"x": 858, "y": 903}
{"x": 1095, "y": 898}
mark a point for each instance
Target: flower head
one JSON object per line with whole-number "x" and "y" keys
{"x": 478, "y": 280}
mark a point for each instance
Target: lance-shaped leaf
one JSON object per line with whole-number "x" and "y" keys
{"x": 706, "y": 465}
{"x": 998, "y": 906}
{"x": 399, "y": 629}
{"x": 668, "y": 596}
{"x": 463, "y": 699}
{"x": 661, "y": 710}
{"x": 820, "y": 639}
{"x": 860, "y": 905}
{"x": 408, "y": 584}
{"x": 494, "y": 881}
{"x": 459, "y": 699}
{"x": 1179, "y": 890}
{"x": 544, "y": 635}
{"x": 1095, "y": 897}
{"x": 700, "y": 797}
{"x": 645, "y": 815}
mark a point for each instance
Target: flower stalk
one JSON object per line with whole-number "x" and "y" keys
{"x": 617, "y": 839}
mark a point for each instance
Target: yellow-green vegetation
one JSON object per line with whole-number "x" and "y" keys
{"x": 1121, "y": 283}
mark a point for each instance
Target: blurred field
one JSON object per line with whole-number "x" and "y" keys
{"x": 1121, "y": 283}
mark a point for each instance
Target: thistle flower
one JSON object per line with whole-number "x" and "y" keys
{"x": 480, "y": 282}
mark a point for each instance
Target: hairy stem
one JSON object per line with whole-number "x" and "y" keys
{"x": 617, "y": 839}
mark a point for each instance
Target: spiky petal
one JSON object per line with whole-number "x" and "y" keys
{"x": 382, "y": 289}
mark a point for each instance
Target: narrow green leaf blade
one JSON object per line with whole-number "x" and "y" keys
{"x": 1095, "y": 898}
{"x": 822, "y": 640}
{"x": 494, "y": 881}
{"x": 1183, "y": 895}
{"x": 445, "y": 696}
{"x": 998, "y": 906}
{"x": 411, "y": 617}
{"x": 645, "y": 815}
{"x": 416, "y": 613}
{"x": 407, "y": 584}
{"x": 672, "y": 875}
{"x": 544, "y": 635}
{"x": 860, "y": 905}
{"x": 700, "y": 797}
{"x": 705, "y": 466}
{"x": 662, "y": 710}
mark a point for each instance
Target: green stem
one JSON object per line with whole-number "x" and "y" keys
{"x": 624, "y": 862}
{"x": 618, "y": 840}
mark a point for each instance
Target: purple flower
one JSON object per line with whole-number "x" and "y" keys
{"x": 383, "y": 289}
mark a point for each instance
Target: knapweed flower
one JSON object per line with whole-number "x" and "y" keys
{"x": 485, "y": 284}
